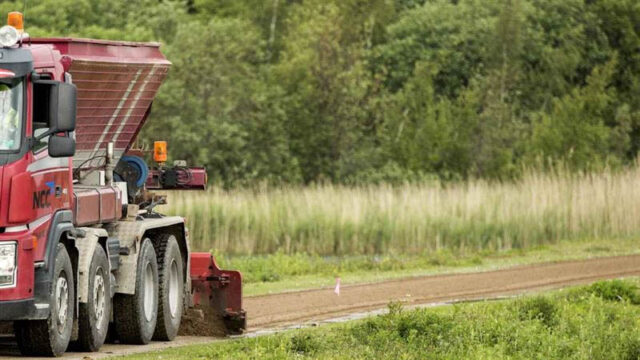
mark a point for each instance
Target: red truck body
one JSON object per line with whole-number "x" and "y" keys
{"x": 116, "y": 83}
{"x": 47, "y": 200}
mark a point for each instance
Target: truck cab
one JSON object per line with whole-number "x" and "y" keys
{"x": 37, "y": 118}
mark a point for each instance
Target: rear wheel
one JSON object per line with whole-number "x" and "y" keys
{"x": 93, "y": 316}
{"x": 171, "y": 286}
{"x": 136, "y": 315}
{"x": 51, "y": 337}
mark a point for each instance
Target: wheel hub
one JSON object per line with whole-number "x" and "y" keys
{"x": 174, "y": 288}
{"x": 99, "y": 297}
{"x": 62, "y": 302}
{"x": 148, "y": 292}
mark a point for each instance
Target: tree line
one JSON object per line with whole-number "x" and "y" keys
{"x": 368, "y": 91}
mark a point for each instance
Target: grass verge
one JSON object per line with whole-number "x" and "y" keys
{"x": 599, "y": 321}
{"x": 280, "y": 272}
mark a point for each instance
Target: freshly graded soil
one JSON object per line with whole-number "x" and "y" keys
{"x": 201, "y": 321}
{"x": 267, "y": 311}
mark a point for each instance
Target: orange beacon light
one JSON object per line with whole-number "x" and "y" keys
{"x": 16, "y": 20}
{"x": 160, "y": 151}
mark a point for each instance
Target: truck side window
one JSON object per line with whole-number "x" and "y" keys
{"x": 41, "y": 113}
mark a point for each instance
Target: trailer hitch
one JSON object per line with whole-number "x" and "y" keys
{"x": 218, "y": 290}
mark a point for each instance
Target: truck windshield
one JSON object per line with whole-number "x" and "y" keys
{"x": 11, "y": 97}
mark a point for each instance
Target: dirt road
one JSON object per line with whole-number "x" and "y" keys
{"x": 278, "y": 310}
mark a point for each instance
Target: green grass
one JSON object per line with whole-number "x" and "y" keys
{"x": 473, "y": 216}
{"x": 600, "y": 321}
{"x": 281, "y": 272}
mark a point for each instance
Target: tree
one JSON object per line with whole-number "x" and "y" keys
{"x": 500, "y": 124}
{"x": 575, "y": 131}
{"x": 359, "y": 91}
{"x": 427, "y": 134}
{"x": 326, "y": 83}
{"x": 217, "y": 110}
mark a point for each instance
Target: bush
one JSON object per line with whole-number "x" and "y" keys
{"x": 632, "y": 351}
{"x": 539, "y": 308}
{"x": 615, "y": 290}
{"x": 304, "y": 343}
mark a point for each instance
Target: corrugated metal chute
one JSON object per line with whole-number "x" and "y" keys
{"x": 117, "y": 82}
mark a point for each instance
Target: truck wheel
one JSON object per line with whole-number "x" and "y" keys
{"x": 135, "y": 315}
{"x": 51, "y": 337}
{"x": 171, "y": 281}
{"x": 93, "y": 316}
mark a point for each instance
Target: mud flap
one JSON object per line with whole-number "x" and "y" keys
{"x": 218, "y": 293}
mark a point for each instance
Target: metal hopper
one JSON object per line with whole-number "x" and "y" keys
{"x": 117, "y": 82}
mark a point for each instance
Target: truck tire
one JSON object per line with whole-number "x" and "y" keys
{"x": 93, "y": 316}
{"x": 171, "y": 286}
{"x": 135, "y": 315}
{"x": 51, "y": 337}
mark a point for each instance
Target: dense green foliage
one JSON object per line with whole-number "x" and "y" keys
{"x": 577, "y": 324}
{"x": 355, "y": 91}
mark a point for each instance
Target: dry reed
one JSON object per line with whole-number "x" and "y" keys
{"x": 540, "y": 208}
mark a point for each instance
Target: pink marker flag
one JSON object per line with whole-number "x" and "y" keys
{"x": 337, "y": 289}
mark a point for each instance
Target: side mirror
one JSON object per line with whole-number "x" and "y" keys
{"x": 55, "y": 105}
{"x": 61, "y": 146}
{"x": 62, "y": 107}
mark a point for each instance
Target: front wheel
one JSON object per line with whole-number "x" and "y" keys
{"x": 51, "y": 337}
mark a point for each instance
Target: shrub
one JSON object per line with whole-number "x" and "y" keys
{"x": 304, "y": 343}
{"x": 539, "y": 308}
{"x": 615, "y": 290}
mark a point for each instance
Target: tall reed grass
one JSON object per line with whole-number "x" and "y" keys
{"x": 539, "y": 209}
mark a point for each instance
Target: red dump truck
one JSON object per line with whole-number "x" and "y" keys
{"x": 82, "y": 251}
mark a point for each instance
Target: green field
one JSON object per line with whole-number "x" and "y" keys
{"x": 599, "y": 321}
